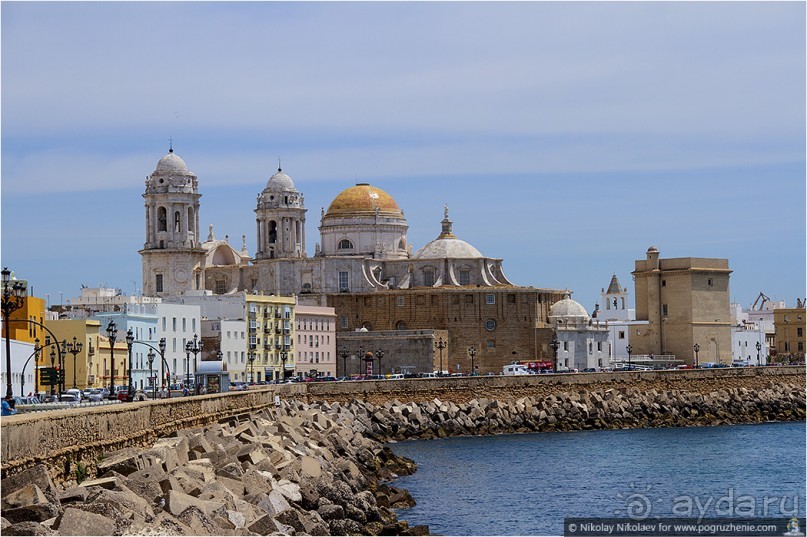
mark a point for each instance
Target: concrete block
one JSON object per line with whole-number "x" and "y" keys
{"x": 77, "y": 522}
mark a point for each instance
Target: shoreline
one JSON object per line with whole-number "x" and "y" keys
{"x": 329, "y": 467}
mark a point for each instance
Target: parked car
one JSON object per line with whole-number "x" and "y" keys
{"x": 238, "y": 386}
{"x": 69, "y": 398}
{"x": 76, "y": 392}
{"x": 122, "y": 393}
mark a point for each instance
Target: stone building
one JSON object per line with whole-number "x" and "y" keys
{"x": 789, "y": 325}
{"x": 385, "y": 352}
{"x": 363, "y": 267}
{"x": 686, "y": 302}
{"x": 583, "y": 341}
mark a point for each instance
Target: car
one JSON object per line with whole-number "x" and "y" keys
{"x": 238, "y": 386}
{"x": 590, "y": 370}
{"x": 122, "y": 393}
{"x": 76, "y": 392}
{"x": 69, "y": 398}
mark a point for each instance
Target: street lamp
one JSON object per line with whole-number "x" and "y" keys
{"x": 472, "y": 353}
{"x": 52, "y": 368}
{"x": 13, "y": 299}
{"x": 441, "y": 345}
{"x": 74, "y": 349}
{"x": 112, "y": 334}
{"x": 379, "y": 354}
{"x": 759, "y": 348}
{"x": 344, "y": 354}
{"x": 555, "y": 344}
{"x": 163, "y": 364}
{"x": 251, "y": 360}
{"x": 284, "y": 355}
{"x": 151, "y": 357}
{"x": 193, "y": 347}
{"x": 696, "y": 348}
{"x": 629, "y": 348}
{"x": 129, "y": 342}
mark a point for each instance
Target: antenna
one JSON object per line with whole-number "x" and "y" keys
{"x": 279, "y": 168}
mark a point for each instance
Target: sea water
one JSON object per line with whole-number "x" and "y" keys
{"x": 526, "y": 484}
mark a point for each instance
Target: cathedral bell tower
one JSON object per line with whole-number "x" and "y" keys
{"x": 172, "y": 255}
{"x": 280, "y": 218}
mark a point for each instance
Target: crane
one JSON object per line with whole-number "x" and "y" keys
{"x": 762, "y": 305}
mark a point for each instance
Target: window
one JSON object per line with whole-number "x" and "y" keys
{"x": 664, "y": 283}
{"x": 565, "y": 345}
{"x": 343, "y": 321}
{"x": 159, "y": 283}
{"x": 490, "y": 325}
{"x": 428, "y": 278}
{"x": 344, "y": 281}
{"x": 709, "y": 282}
{"x": 345, "y": 244}
{"x": 174, "y": 323}
{"x": 469, "y": 299}
{"x": 799, "y": 332}
{"x": 400, "y": 301}
{"x": 491, "y": 344}
{"x": 599, "y": 346}
{"x": 184, "y": 324}
{"x": 800, "y": 346}
{"x": 664, "y": 310}
{"x": 465, "y": 277}
{"x": 221, "y": 287}
{"x": 621, "y": 334}
{"x": 490, "y": 299}
{"x": 193, "y": 324}
{"x": 400, "y": 325}
{"x": 162, "y": 224}
{"x": 511, "y": 298}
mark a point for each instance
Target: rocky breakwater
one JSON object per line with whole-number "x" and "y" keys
{"x": 614, "y": 408}
{"x": 288, "y": 470}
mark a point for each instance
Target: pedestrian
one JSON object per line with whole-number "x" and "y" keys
{"x": 185, "y": 391}
{"x": 8, "y": 406}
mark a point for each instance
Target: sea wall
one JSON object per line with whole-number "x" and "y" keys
{"x": 61, "y": 439}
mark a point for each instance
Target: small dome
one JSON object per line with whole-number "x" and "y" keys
{"x": 568, "y": 309}
{"x": 652, "y": 250}
{"x": 447, "y": 248}
{"x": 172, "y": 164}
{"x": 363, "y": 200}
{"x": 280, "y": 182}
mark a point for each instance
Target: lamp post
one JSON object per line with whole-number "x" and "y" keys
{"x": 555, "y": 344}
{"x": 360, "y": 354}
{"x": 251, "y": 360}
{"x": 193, "y": 347}
{"x": 379, "y": 354}
{"x": 344, "y": 354}
{"x": 629, "y": 348}
{"x": 13, "y": 299}
{"x": 284, "y": 355}
{"x": 112, "y": 334}
{"x": 163, "y": 364}
{"x": 441, "y": 345}
{"x": 151, "y": 357}
{"x": 129, "y": 342}
{"x": 696, "y": 348}
{"x": 74, "y": 348}
{"x": 472, "y": 353}
{"x": 759, "y": 348}
{"x": 53, "y": 368}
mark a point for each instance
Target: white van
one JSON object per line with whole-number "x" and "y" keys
{"x": 516, "y": 369}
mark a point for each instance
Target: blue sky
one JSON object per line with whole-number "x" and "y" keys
{"x": 565, "y": 137}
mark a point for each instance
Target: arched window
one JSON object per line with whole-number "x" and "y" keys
{"x": 191, "y": 225}
{"x": 272, "y": 232}
{"x": 345, "y": 244}
{"x": 428, "y": 277}
{"x": 402, "y": 244}
{"x": 162, "y": 219}
{"x": 400, "y": 325}
{"x": 176, "y": 222}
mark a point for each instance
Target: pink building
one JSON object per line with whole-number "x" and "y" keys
{"x": 316, "y": 340}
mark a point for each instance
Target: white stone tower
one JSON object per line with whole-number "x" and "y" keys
{"x": 280, "y": 217}
{"x": 614, "y": 305}
{"x": 172, "y": 256}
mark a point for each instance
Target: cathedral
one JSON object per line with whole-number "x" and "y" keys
{"x": 363, "y": 266}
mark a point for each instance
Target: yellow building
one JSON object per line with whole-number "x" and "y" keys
{"x": 33, "y": 309}
{"x": 270, "y": 326}
{"x": 79, "y": 367}
{"x": 686, "y": 303}
{"x": 789, "y": 324}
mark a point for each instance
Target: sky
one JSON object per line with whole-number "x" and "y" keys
{"x": 565, "y": 137}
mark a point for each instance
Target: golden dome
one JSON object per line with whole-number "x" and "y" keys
{"x": 362, "y": 200}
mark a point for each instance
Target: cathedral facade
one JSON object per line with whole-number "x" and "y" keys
{"x": 363, "y": 266}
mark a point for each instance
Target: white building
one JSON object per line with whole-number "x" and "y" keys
{"x": 231, "y": 334}
{"x": 583, "y": 341}
{"x": 21, "y": 353}
{"x": 614, "y": 303}
{"x": 316, "y": 340}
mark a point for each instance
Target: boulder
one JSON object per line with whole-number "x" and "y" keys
{"x": 28, "y": 528}
{"x": 124, "y": 462}
{"x": 79, "y": 522}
